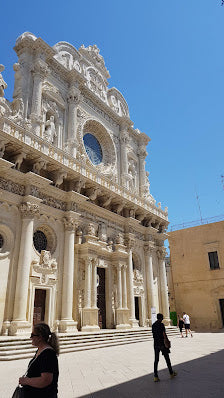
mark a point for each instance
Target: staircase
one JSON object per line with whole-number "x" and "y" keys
{"x": 12, "y": 347}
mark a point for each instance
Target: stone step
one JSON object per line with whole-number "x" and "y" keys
{"x": 16, "y": 348}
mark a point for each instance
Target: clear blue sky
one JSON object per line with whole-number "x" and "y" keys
{"x": 167, "y": 59}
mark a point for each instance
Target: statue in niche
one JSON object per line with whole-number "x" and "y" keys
{"x": 3, "y": 84}
{"x": 132, "y": 173}
{"x": 50, "y": 131}
{"x": 18, "y": 81}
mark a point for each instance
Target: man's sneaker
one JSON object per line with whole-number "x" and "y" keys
{"x": 156, "y": 379}
{"x": 173, "y": 375}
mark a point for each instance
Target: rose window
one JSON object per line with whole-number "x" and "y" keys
{"x": 93, "y": 148}
{"x": 39, "y": 241}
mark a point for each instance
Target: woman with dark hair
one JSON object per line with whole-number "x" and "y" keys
{"x": 41, "y": 379}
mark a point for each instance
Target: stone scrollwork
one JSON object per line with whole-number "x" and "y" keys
{"x": 69, "y": 223}
{"x": 138, "y": 278}
{"x": 161, "y": 253}
{"x": 46, "y": 266}
{"x": 11, "y": 186}
{"x": 29, "y": 210}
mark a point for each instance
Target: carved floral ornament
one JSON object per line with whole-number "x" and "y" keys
{"x": 161, "y": 253}
{"x": 70, "y": 223}
{"x": 45, "y": 266}
{"x": 29, "y": 210}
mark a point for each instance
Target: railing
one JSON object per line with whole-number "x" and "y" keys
{"x": 196, "y": 223}
{"x": 56, "y": 154}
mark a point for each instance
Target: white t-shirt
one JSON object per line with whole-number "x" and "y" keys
{"x": 186, "y": 319}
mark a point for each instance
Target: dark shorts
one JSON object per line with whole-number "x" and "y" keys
{"x": 187, "y": 325}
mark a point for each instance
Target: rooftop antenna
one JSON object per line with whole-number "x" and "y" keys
{"x": 197, "y": 197}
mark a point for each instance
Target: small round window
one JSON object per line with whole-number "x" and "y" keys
{"x": 1, "y": 241}
{"x": 39, "y": 241}
{"x": 93, "y": 148}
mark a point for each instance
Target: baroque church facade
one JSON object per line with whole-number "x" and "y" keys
{"x": 81, "y": 237}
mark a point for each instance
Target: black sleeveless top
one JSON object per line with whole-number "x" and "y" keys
{"x": 45, "y": 362}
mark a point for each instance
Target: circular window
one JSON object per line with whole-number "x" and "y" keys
{"x": 1, "y": 241}
{"x": 93, "y": 148}
{"x": 39, "y": 241}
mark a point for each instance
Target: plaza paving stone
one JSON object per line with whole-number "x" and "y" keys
{"x": 127, "y": 371}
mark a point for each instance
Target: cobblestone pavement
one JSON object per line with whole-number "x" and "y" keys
{"x": 127, "y": 371}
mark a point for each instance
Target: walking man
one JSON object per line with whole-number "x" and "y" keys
{"x": 160, "y": 339}
{"x": 187, "y": 325}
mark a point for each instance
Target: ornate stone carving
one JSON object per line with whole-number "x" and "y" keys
{"x": 69, "y": 223}
{"x": 17, "y": 93}
{"x": 50, "y": 131}
{"x": 91, "y": 230}
{"x": 45, "y": 266}
{"x": 18, "y": 159}
{"x": 102, "y": 232}
{"x": 138, "y": 278}
{"x": 120, "y": 239}
{"x": 2, "y": 148}
{"x": 29, "y": 210}
{"x": 58, "y": 178}
{"x": 74, "y": 95}
{"x": 11, "y": 186}
{"x": 3, "y": 84}
{"x": 17, "y": 110}
{"x": 92, "y": 53}
{"x": 79, "y": 184}
{"x": 39, "y": 165}
{"x": 161, "y": 253}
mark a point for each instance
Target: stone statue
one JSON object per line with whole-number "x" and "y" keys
{"x": 18, "y": 159}
{"x": 3, "y": 84}
{"x": 39, "y": 165}
{"x": 18, "y": 81}
{"x": 17, "y": 108}
{"x": 2, "y": 148}
{"x": 50, "y": 131}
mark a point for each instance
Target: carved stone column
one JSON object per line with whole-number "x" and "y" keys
{"x": 94, "y": 284}
{"x": 142, "y": 175}
{"x": 119, "y": 287}
{"x": 90, "y": 314}
{"x": 39, "y": 72}
{"x": 124, "y": 139}
{"x": 67, "y": 323}
{"x": 161, "y": 253}
{"x": 20, "y": 325}
{"x": 149, "y": 279}
{"x": 124, "y": 287}
{"x": 74, "y": 98}
{"x": 132, "y": 320}
{"x": 88, "y": 271}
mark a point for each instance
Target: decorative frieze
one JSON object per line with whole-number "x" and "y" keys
{"x": 11, "y": 186}
{"x": 29, "y": 210}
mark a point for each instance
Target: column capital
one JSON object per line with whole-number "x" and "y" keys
{"x": 69, "y": 223}
{"x": 149, "y": 248}
{"x": 74, "y": 95}
{"x": 130, "y": 241}
{"x": 29, "y": 210}
{"x": 161, "y": 253}
{"x": 40, "y": 68}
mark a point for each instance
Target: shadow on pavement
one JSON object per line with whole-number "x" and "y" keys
{"x": 199, "y": 378}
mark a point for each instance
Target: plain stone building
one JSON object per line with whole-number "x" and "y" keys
{"x": 81, "y": 238}
{"x": 196, "y": 274}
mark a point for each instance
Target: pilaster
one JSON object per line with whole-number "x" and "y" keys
{"x": 161, "y": 254}
{"x": 20, "y": 324}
